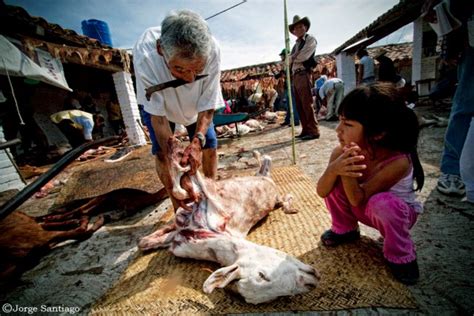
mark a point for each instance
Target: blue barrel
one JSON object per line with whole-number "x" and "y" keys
{"x": 97, "y": 29}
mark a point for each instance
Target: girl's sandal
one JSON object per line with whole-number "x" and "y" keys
{"x": 331, "y": 239}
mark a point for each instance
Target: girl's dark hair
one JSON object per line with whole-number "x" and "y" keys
{"x": 386, "y": 120}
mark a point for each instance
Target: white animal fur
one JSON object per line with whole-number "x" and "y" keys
{"x": 216, "y": 228}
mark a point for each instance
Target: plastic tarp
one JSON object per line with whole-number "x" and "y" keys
{"x": 18, "y": 64}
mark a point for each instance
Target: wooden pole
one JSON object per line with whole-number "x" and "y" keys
{"x": 288, "y": 84}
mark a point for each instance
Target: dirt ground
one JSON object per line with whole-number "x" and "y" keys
{"x": 77, "y": 274}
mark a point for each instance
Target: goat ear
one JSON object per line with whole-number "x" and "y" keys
{"x": 221, "y": 277}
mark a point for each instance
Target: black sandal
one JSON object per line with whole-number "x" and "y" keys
{"x": 406, "y": 273}
{"x": 331, "y": 239}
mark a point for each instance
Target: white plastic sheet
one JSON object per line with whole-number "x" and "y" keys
{"x": 19, "y": 65}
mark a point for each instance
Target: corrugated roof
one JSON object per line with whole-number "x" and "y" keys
{"x": 396, "y": 52}
{"x": 406, "y": 11}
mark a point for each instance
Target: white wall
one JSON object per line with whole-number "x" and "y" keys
{"x": 346, "y": 71}
{"x": 128, "y": 104}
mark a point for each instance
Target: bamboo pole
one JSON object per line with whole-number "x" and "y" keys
{"x": 288, "y": 84}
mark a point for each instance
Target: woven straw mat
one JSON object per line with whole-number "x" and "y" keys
{"x": 353, "y": 276}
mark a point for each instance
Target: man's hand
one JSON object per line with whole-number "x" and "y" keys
{"x": 192, "y": 156}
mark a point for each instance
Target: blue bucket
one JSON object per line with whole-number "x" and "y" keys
{"x": 97, "y": 29}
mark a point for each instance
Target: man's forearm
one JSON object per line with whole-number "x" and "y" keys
{"x": 203, "y": 121}
{"x": 162, "y": 130}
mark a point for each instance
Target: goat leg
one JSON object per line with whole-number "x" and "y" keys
{"x": 159, "y": 239}
{"x": 80, "y": 233}
{"x": 85, "y": 209}
{"x": 61, "y": 217}
{"x": 64, "y": 225}
{"x": 90, "y": 206}
{"x": 178, "y": 192}
{"x": 97, "y": 224}
{"x": 285, "y": 203}
{"x": 57, "y": 211}
{"x": 62, "y": 211}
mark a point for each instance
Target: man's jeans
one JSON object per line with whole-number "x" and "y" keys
{"x": 467, "y": 163}
{"x": 462, "y": 111}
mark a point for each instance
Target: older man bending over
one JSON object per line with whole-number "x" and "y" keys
{"x": 180, "y": 62}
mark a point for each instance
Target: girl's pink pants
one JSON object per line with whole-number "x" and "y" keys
{"x": 384, "y": 211}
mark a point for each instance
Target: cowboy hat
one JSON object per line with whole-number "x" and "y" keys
{"x": 296, "y": 20}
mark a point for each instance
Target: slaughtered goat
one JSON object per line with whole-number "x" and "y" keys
{"x": 25, "y": 239}
{"x": 216, "y": 227}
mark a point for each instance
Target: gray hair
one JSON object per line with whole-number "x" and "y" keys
{"x": 185, "y": 33}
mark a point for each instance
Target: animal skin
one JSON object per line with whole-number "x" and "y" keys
{"x": 216, "y": 227}
{"x": 24, "y": 239}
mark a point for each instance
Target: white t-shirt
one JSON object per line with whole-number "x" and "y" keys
{"x": 182, "y": 104}
{"x": 368, "y": 67}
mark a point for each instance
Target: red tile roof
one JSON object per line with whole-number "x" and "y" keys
{"x": 396, "y": 52}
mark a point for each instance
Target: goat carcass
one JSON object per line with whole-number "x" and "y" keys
{"x": 23, "y": 241}
{"x": 216, "y": 227}
{"x": 254, "y": 125}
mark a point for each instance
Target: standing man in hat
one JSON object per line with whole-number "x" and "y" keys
{"x": 181, "y": 51}
{"x": 302, "y": 52}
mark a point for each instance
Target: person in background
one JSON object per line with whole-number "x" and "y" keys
{"x": 115, "y": 116}
{"x": 270, "y": 95}
{"x": 227, "y": 108}
{"x": 332, "y": 93}
{"x": 302, "y": 51}
{"x": 78, "y": 126}
{"x": 371, "y": 173}
{"x": 89, "y": 105}
{"x": 182, "y": 48}
{"x": 386, "y": 71}
{"x": 457, "y": 49}
{"x": 318, "y": 102}
{"x": 467, "y": 164}
{"x": 256, "y": 100}
{"x": 365, "y": 72}
{"x": 72, "y": 101}
{"x": 282, "y": 74}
